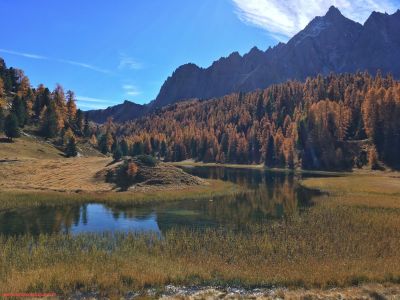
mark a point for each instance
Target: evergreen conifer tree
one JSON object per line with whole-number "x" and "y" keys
{"x": 71, "y": 150}
{"x": 11, "y": 128}
{"x": 117, "y": 155}
{"x": 2, "y": 118}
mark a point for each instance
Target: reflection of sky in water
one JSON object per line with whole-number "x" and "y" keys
{"x": 100, "y": 219}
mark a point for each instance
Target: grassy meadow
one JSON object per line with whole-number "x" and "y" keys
{"x": 350, "y": 237}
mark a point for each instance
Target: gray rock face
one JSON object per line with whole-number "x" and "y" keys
{"x": 331, "y": 43}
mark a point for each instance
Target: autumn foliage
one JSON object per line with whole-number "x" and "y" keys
{"x": 323, "y": 123}
{"x": 54, "y": 114}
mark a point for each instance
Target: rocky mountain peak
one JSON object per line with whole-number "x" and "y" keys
{"x": 333, "y": 12}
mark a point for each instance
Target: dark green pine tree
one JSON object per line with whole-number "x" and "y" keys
{"x": 115, "y": 145}
{"x": 18, "y": 108}
{"x": 86, "y": 128}
{"x": 102, "y": 144}
{"x": 2, "y": 118}
{"x": 79, "y": 122}
{"x": 260, "y": 107}
{"x": 49, "y": 122}
{"x": 137, "y": 149}
{"x": 270, "y": 155}
{"x": 71, "y": 150}
{"x": 225, "y": 144}
{"x": 117, "y": 154}
{"x": 269, "y": 107}
{"x": 124, "y": 148}
{"x": 163, "y": 149}
{"x": 11, "y": 127}
{"x": 193, "y": 148}
{"x": 232, "y": 151}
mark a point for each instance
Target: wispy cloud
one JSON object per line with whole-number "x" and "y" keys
{"x": 131, "y": 90}
{"x": 84, "y": 65}
{"x": 90, "y": 106}
{"x": 283, "y": 19}
{"x": 64, "y": 61}
{"x": 93, "y": 103}
{"x": 28, "y": 55}
{"x": 90, "y": 99}
{"x": 127, "y": 62}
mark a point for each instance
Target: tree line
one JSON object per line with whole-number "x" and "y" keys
{"x": 335, "y": 122}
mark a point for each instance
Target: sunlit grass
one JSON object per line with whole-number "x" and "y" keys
{"x": 364, "y": 190}
{"x": 322, "y": 248}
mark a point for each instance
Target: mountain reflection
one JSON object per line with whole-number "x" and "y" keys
{"x": 266, "y": 196}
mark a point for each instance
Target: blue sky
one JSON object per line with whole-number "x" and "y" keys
{"x": 110, "y": 51}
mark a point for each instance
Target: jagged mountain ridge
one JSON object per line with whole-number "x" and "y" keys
{"x": 332, "y": 43}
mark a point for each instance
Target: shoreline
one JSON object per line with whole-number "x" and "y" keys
{"x": 259, "y": 167}
{"x": 14, "y": 198}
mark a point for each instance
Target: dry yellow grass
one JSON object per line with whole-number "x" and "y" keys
{"x": 75, "y": 174}
{"x": 324, "y": 248}
{"x": 28, "y": 148}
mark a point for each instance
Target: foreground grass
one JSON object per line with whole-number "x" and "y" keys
{"x": 325, "y": 248}
{"x": 24, "y": 199}
{"x": 350, "y": 237}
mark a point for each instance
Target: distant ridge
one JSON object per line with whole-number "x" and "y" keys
{"x": 120, "y": 113}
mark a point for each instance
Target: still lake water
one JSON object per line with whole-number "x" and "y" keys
{"x": 268, "y": 196}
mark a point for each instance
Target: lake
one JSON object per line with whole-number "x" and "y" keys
{"x": 266, "y": 196}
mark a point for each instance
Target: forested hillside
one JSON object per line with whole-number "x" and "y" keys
{"x": 329, "y": 123}
{"x": 53, "y": 115}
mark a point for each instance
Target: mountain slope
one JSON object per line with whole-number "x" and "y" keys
{"x": 120, "y": 113}
{"x": 331, "y": 43}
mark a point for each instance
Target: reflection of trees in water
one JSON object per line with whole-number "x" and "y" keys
{"x": 41, "y": 220}
{"x": 130, "y": 212}
{"x": 266, "y": 196}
